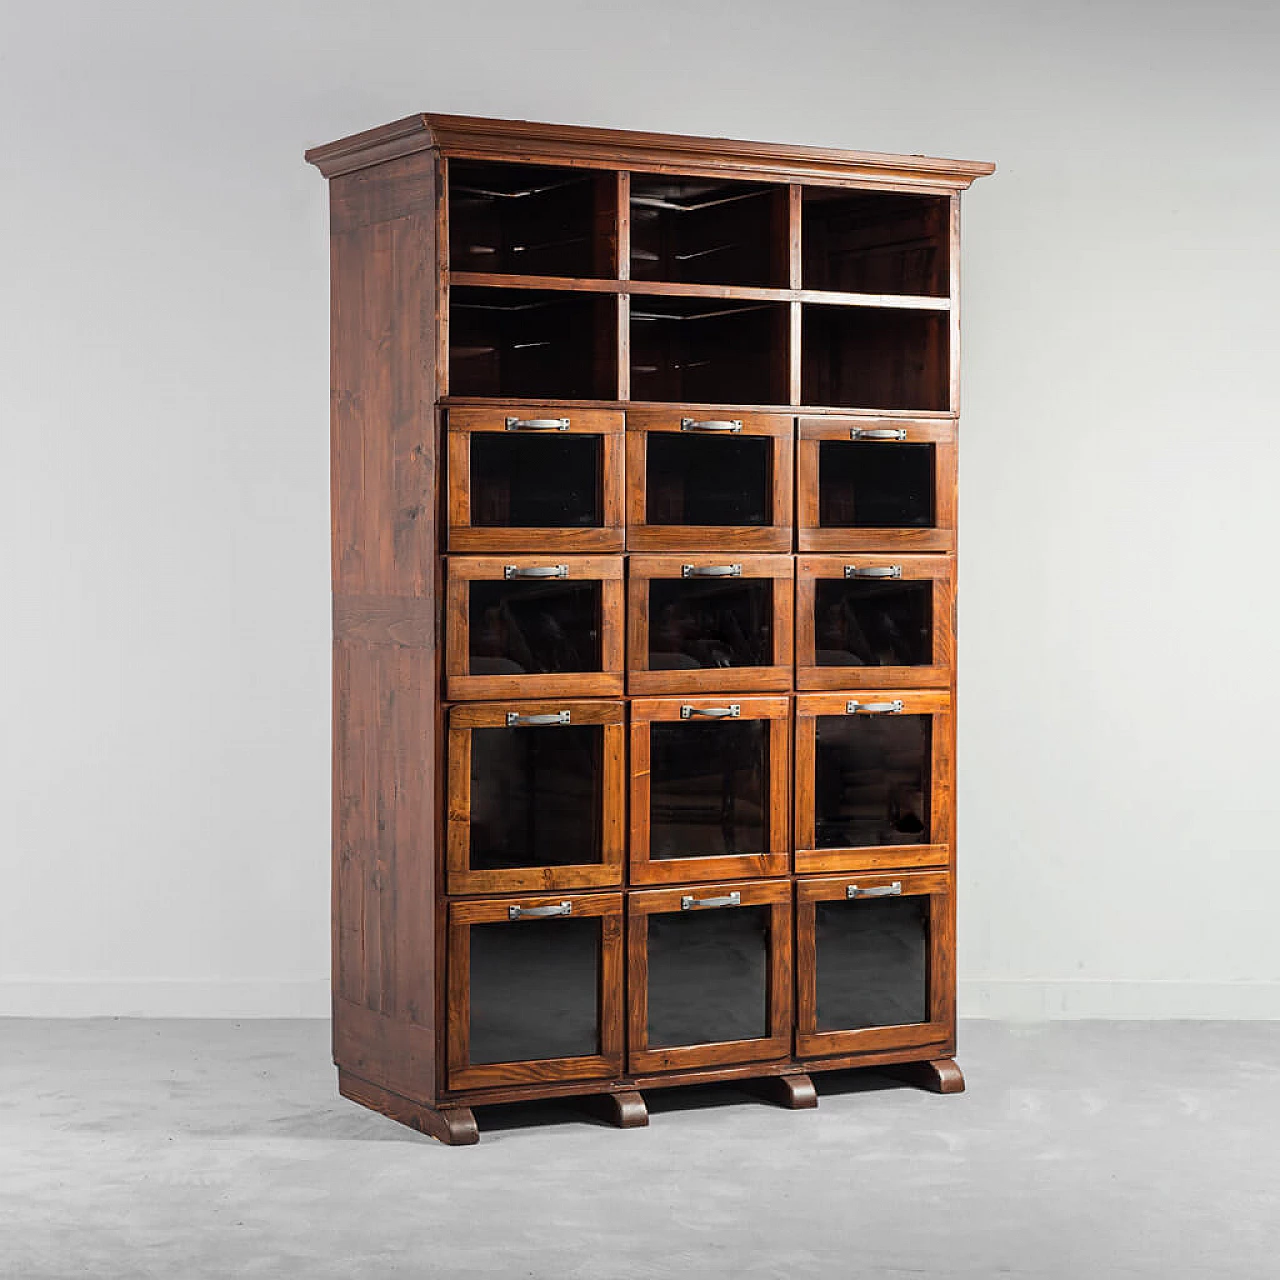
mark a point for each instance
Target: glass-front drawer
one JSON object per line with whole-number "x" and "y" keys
{"x": 873, "y": 780}
{"x": 537, "y": 796}
{"x": 535, "y": 990}
{"x": 700, "y": 482}
{"x": 709, "y": 975}
{"x": 876, "y": 485}
{"x": 710, "y": 785}
{"x": 874, "y": 963}
{"x": 534, "y": 479}
{"x": 702, "y": 622}
{"x": 520, "y": 626}
{"x": 875, "y": 621}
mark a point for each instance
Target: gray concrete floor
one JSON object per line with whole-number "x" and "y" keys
{"x": 190, "y": 1149}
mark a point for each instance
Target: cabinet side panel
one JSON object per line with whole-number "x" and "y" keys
{"x": 385, "y": 654}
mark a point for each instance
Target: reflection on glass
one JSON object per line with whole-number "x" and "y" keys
{"x": 535, "y": 989}
{"x": 708, "y": 976}
{"x": 872, "y": 963}
{"x": 523, "y": 482}
{"x": 873, "y": 485}
{"x": 518, "y": 628}
{"x": 696, "y": 623}
{"x": 708, "y": 787}
{"x": 536, "y": 796}
{"x": 871, "y": 783}
{"x": 698, "y": 480}
{"x": 873, "y": 623}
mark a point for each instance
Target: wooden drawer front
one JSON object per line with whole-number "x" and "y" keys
{"x": 530, "y": 479}
{"x": 699, "y": 481}
{"x": 875, "y": 963}
{"x": 874, "y": 620}
{"x": 862, "y": 488}
{"x": 536, "y": 995}
{"x": 873, "y": 785}
{"x": 521, "y": 626}
{"x": 537, "y": 796}
{"x": 709, "y": 975}
{"x": 709, "y": 622}
{"x": 709, "y": 789}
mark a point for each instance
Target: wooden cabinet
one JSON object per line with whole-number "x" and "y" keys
{"x": 644, "y": 469}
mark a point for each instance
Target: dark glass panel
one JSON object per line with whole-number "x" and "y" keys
{"x": 708, "y": 788}
{"x": 873, "y": 623}
{"x": 519, "y": 628}
{"x": 535, "y": 990}
{"x": 698, "y": 480}
{"x": 696, "y": 623}
{"x": 536, "y": 796}
{"x": 708, "y": 976}
{"x": 527, "y": 482}
{"x": 872, "y": 963}
{"x": 871, "y": 784}
{"x": 863, "y": 485}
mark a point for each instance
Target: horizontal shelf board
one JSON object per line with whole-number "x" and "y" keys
{"x": 791, "y": 410}
{"x": 895, "y": 301}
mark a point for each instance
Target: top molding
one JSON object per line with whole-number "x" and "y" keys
{"x": 561, "y": 144}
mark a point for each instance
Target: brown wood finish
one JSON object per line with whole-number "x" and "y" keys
{"x": 777, "y": 1044}
{"x": 937, "y": 1075}
{"x": 642, "y": 570}
{"x": 776, "y": 859}
{"x": 455, "y": 1126}
{"x": 795, "y": 1092}
{"x": 938, "y": 852}
{"x": 938, "y": 570}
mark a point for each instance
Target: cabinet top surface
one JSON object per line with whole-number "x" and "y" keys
{"x": 560, "y": 144}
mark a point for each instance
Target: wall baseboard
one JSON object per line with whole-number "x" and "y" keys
{"x": 1018, "y": 999}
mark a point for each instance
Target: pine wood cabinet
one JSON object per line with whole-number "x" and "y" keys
{"x": 644, "y": 526}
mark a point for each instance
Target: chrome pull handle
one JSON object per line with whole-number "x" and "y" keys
{"x": 893, "y": 890}
{"x": 711, "y": 424}
{"x": 873, "y": 571}
{"x": 873, "y": 708}
{"x": 731, "y": 712}
{"x": 689, "y": 903}
{"x": 535, "y": 913}
{"x": 711, "y": 571}
{"x": 877, "y": 433}
{"x": 537, "y": 424}
{"x": 515, "y": 719}
{"x": 535, "y": 571}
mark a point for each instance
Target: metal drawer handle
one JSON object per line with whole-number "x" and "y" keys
{"x": 873, "y": 571}
{"x": 514, "y": 718}
{"x": 877, "y": 433}
{"x": 535, "y": 571}
{"x": 534, "y": 913}
{"x": 893, "y": 890}
{"x": 711, "y": 571}
{"x": 537, "y": 424}
{"x": 710, "y": 424}
{"x": 731, "y": 712}
{"x": 688, "y": 902}
{"x": 873, "y": 708}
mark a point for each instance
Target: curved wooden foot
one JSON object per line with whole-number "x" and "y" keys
{"x": 795, "y": 1092}
{"x": 454, "y": 1126}
{"x": 940, "y": 1075}
{"x": 627, "y": 1109}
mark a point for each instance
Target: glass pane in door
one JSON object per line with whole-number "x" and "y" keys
{"x": 697, "y": 480}
{"x": 536, "y": 796}
{"x": 872, "y": 963}
{"x": 695, "y": 623}
{"x": 535, "y": 990}
{"x": 871, "y": 780}
{"x": 874, "y": 485}
{"x": 522, "y": 482}
{"x": 873, "y": 623}
{"x": 708, "y": 788}
{"x": 530, "y": 627}
{"x": 708, "y": 976}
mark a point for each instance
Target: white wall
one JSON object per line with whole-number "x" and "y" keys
{"x": 164, "y": 337}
